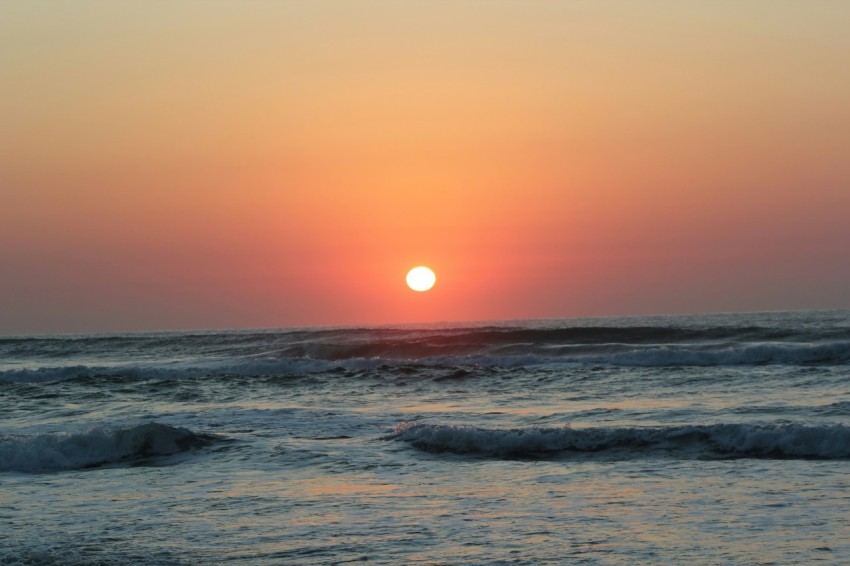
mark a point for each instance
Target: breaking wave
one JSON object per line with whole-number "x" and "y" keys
{"x": 95, "y": 447}
{"x": 738, "y": 440}
{"x": 613, "y": 355}
{"x": 728, "y": 340}
{"x": 210, "y": 368}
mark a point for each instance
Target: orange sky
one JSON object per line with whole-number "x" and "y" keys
{"x": 243, "y": 164}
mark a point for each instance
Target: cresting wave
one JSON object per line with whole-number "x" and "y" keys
{"x": 96, "y": 447}
{"x": 806, "y": 338}
{"x": 613, "y": 355}
{"x": 162, "y": 371}
{"x": 396, "y": 343}
{"x": 738, "y": 440}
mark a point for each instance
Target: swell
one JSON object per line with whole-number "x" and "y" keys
{"x": 247, "y": 367}
{"x": 391, "y": 343}
{"x": 344, "y": 343}
{"x": 737, "y": 440}
{"x": 610, "y": 355}
{"x": 718, "y": 340}
{"x": 95, "y": 447}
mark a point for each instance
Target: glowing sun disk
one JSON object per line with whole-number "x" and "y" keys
{"x": 421, "y": 278}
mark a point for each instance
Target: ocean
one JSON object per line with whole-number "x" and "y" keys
{"x": 705, "y": 439}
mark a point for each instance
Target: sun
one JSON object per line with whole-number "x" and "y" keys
{"x": 421, "y": 278}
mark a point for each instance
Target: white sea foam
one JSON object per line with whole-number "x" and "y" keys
{"x": 95, "y": 447}
{"x": 784, "y": 441}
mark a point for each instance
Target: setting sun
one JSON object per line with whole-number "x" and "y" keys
{"x": 421, "y": 278}
{"x": 207, "y": 213}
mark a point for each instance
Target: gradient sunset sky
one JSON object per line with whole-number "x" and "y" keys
{"x": 213, "y": 164}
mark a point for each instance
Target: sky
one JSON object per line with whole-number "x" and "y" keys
{"x": 171, "y": 165}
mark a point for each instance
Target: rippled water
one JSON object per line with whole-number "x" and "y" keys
{"x": 709, "y": 439}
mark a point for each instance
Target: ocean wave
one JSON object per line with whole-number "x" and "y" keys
{"x": 611, "y": 355}
{"x": 729, "y": 355}
{"x": 615, "y": 345}
{"x": 739, "y": 440}
{"x": 95, "y": 447}
{"x": 720, "y": 340}
{"x": 200, "y": 368}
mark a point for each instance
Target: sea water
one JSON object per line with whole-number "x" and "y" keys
{"x": 704, "y": 439}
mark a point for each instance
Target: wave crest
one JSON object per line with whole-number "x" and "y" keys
{"x": 613, "y": 355}
{"x": 95, "y": 447}
{"x": 742, "y": 440}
